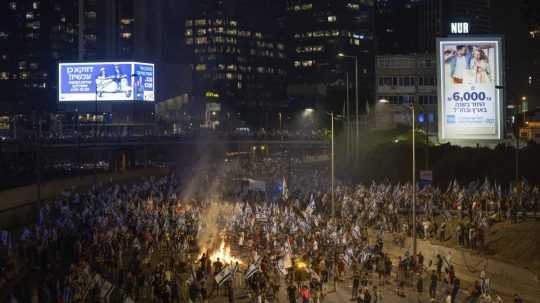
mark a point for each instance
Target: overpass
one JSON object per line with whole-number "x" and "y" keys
{"x": 119, "y": 154}
{"x": 108, "y": 143}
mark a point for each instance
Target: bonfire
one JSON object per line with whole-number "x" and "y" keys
{"x": 223, "y": 254}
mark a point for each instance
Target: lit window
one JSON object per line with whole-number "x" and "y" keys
{"x": 229, "y": 76}
{"x": 13, "y": 5}
{"x": 189, "y": 22}
{"x": 201, "y": 40}
{"x": 30, "y": 15}
{"x": 200, "y": 22}
{"x": 89, "y": 15}
{"x": 126, "y": 35}
{"x": 4, "y": 76}
{"x": 296, "y": 63}
{"x": 353, "y": 6}
{"x": 200, "y": 67}
{"x": 332, "y": 18}
{"x": 201, "y": 32}
{"x": 189, "y": 41}
{"x": 34, "y": 25}
{"x": 35, "y": 5}
{"x": 189, "y": 33}
{"x": 3, "y": 35}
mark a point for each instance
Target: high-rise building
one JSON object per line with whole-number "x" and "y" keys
{"x": 238, "y": 61}
{"x": 318, "y": 31}
{"x": 33, "y": 36}
{"x": 36, "y": 35}
{"x": 429, "y": 24}
{"x": 435, "y": 18}
{"x": 477, "y": 13}
{"x": 122, "y": 29}
{"x": 531, "y": 16}
{"x": 395, "y": 23}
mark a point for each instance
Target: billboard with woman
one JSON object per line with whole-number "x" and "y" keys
{"x": 470, "y": 101}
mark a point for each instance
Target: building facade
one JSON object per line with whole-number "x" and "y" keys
{"x": 34, "y": 35}
{"x": 395, "y": 23}
{"x": 531, "y": 15}
{"x": 436, "y": 16}
{"x": 402, "y": 80}
{"x": 238, "y": 62}
{"x": 317, "y": 32}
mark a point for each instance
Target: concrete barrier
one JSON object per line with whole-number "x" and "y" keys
{"x": 18, "y": 206}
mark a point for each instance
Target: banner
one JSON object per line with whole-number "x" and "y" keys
{"x": 106, "y": 81}
{"x": 470, "y": 103}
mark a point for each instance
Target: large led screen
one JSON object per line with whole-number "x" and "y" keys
{"x": 106, "y": 81}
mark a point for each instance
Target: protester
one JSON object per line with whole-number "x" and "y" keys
{"x": 150, "y": 240}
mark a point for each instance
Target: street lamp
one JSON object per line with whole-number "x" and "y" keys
{"x": 412, "y": 107}
{"x": 309, "y": 111}
{"x": 515, "y": 124}
{"x": 357, "y": 121}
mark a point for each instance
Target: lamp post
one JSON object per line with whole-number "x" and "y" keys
{"x": 356, "y": 118}
{"x": 95, "y": 128}
{"x": 348, "y": 121}
{"x": 280, "y": 126}
{"x": 412, "y": 107}
{"x": 413, "y": 180}
{"x": 333, "y": 167}
{"x": 332, "y": 159}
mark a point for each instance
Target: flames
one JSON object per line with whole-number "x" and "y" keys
{"x": 224, "y": 255}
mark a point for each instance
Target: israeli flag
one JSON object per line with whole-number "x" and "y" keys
{"x": 314, "y": 275}
{"x": 281, "y": 266}
{"x": 253, "y": 269}
{"x": 347, "y": 260}
{"x": 226, "y": 274}
{"x": 106, "y": 290}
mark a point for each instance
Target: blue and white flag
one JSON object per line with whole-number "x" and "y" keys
{"x": 347, "y": 260}
{"x": 106, "y": 290}
{"x": 311, "y": 206}
{"x": 284, "y": 189}
{"x": 253, "y": 269}
{"x": 226, "y": 274}
{"x": 281, "y": 267}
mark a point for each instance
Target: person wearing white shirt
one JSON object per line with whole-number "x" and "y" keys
{"x": 448, "y": 298}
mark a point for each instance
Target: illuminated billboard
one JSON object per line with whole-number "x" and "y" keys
{"x": 106, "y": 81}
{"x": 469, "y": 77}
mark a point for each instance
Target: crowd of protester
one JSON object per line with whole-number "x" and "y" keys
{"x": 142, "y": 242}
